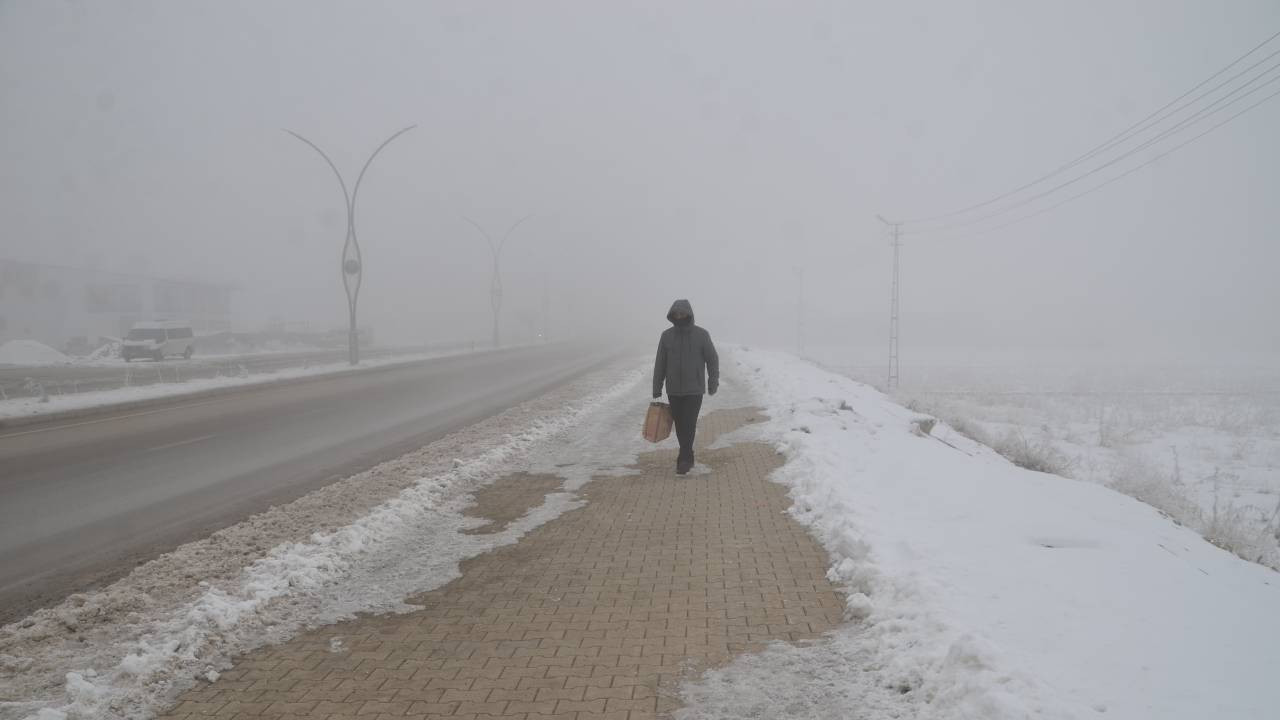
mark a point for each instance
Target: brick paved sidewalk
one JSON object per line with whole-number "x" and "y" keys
{"x": 597, "y": 614}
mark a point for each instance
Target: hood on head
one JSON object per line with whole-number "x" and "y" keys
{"x": 682, "y": 305}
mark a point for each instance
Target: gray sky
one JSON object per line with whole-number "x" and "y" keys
{"x": 702, "y": 150}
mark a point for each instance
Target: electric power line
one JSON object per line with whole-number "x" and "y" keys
{"x": 1123, "y": 175}
{"x": 1117, "y": 138}
{"x": 1123, "y": 136}
{"x": 1202, "y": 114}
{"x": 1196, "y": 99}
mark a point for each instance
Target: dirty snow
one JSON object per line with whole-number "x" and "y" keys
{"x": 355, "y": 546}
{"x": 978, "y": 589}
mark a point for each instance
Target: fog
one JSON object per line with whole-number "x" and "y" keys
{"x": 716, "y": 151}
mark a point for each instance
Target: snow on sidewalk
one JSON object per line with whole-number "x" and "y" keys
{"x": 356, "y": 546}
{"x": 593, "y": 616}
{"x": 982, "y": 590}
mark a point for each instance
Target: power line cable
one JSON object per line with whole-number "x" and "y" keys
{"x": 1123, "y": 175}
{"x": 1115, "y": 139}
{"x": 1198, "y": 116}
{"x": 1202, "y": 114}
{"x": 1201, "y": 96}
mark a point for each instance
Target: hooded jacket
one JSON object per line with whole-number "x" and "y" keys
{"x": 683, "y": 351}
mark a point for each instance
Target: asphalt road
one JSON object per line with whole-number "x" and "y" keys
{"x": 82, "y": 502}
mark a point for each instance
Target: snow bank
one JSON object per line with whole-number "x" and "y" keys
{"x": 1206, "y": 451}
{"x": 108, "y": 352}
{"x": 60, "y": 401}
{"x": 31, "y": 353}
{"x": 978, "y": 589}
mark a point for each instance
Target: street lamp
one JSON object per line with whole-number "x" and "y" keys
{"x": 352, "y": 260}
{"x": 495, "y": 278}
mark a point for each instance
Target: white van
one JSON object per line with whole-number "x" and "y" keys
{"x": 155, "y": 340}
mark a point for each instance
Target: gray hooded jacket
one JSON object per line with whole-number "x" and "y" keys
{"x": 683, "y": 352}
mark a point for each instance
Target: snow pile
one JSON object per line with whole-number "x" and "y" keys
{"x": 30, "y": 352}
{"x": 978, "y": 589}
{"x": 369, "y": 564}
{"x": 106, "y": 353}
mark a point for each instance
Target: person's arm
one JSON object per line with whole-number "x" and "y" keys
{"x": 659, "y": 370}
{"x": 712, "y": 359}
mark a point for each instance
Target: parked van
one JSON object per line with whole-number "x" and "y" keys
{"x": 155, "y": 340}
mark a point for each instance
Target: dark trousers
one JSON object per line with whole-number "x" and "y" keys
{"x": 684, "y": 411}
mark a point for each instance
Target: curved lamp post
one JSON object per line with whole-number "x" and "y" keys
{"x": 495, "y": 278}
{"x": 352, "y": 260}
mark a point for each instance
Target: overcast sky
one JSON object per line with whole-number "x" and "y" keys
{"x": 708, "y": 150}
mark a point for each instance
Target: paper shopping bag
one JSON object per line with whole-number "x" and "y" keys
{"x": 657, "y": 422}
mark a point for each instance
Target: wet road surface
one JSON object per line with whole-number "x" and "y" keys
{"x": 84, "y": 501}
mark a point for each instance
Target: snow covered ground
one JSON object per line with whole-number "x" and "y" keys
{"x": 30, "y": 353}
{"x": 56, "y": 401}
{"x": 109, "y": 355}
{"x": 35, "y": 354}
{"x": 1202, "y": 444}
{"x": 978, "y": 589}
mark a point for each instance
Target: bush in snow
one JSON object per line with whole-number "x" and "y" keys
{"x": 36, "y": 388}
{"x": 1120, "y": 454}
{"x": 1039, "y": 455}
{"x": 1229, "y": 526}
{"x": 1233, "y": 527}
{"x": 1144, "y": 481}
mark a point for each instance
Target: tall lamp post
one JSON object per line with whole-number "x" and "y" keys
{"x": 495, "y": 277}
{"x": 352, "y": 260}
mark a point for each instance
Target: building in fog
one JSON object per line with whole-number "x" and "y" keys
{"x": 68, "y": 307}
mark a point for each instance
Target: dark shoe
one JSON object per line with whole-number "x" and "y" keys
{"x": 682, "y": 467}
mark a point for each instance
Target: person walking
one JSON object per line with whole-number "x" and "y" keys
{"x": 684, "y": 350}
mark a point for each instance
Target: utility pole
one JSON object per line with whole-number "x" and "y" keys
{"x": 546, "y": 309}
{"x": 896, "y": 229}
{"x": 799, "y": 310}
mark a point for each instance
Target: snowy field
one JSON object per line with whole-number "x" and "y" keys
{"x": 979, "y": 589}
{"x": 1202, "y": 444}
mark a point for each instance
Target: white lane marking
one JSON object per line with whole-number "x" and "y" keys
{"x": 180, "y": 443}
{"x": 112, "y": 418}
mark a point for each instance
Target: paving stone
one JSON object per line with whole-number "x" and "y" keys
{"x": 597, "y": 614}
